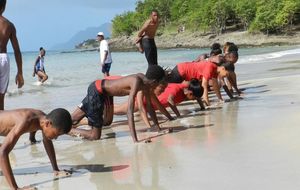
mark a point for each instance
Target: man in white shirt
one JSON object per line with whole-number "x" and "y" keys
{"x": 105, "y": 56}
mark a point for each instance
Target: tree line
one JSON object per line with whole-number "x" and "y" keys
{"x": 212, "y": 16}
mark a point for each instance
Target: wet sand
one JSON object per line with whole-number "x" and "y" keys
{"x": 251, "y": 143}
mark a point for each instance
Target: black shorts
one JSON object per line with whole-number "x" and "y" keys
{"x": 92, "y": 105}
{"x": 174, "y": 76}
{"x": 106, "y": 67}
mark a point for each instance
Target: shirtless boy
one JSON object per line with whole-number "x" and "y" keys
{"x": 145, "y": 39}
{"x": 8, "y": 32}
{"x": 93, "y": 104}
{"x": 14, "y": 123}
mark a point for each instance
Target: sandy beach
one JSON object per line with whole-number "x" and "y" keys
{"x": 250, "y": 143}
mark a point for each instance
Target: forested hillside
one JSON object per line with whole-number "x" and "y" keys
{"x": 212, "y": 16}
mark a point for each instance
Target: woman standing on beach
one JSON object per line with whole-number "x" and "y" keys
{"x": 39, "y": 68}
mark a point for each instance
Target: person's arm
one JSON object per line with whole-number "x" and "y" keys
{"x": 216, "y": 88}
{"x": 138, "y": 40}
{"x": 144, "y": 28}
{"x": 50, "y": 152}
{"x": 142, "y": 109}
{"x": 218, "y": 59}
{"x": 48, "y": 145}
{"x": 205, "y": 92}
{"x": 200, "y": 102}
{"x": 225, "y": 87}
{"x": 227, "y": 91}
{"x": 150, "y": 108}
{"x": 130, "y": 111}
{"x": 173, "y": 105}
{"x": 8, "y": 144}
{"x": 232, "y": 80}
{"x": 160, "y": 107}
{"x": 18, "y": 56}
{"x": 201, "y": 57}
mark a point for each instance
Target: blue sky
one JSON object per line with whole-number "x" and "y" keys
{"x": 47, "y": 23}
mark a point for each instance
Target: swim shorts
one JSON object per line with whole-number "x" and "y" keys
{"x": 174, "y": 76}
{"x": 93, "y": 104}
{"x": 106, "y": 67}
{"x": 4, "y": 72}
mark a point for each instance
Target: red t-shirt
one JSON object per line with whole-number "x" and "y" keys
{"x": 197, "y": 70}
{"x": 175, "y": 90}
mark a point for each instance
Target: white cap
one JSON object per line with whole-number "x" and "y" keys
{"x": 100, "y": 34}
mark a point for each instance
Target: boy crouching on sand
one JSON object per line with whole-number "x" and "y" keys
{"x": 93, "y": 104}
{"x": 14, "y": 123}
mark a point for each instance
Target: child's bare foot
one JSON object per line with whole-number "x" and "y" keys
{"x": 62, "y": 173}
{"x": 165, "y": 131}
{"x": 148, "y": 140}
{"x": 27, "y": 188}
{"x": 33, "y": 141}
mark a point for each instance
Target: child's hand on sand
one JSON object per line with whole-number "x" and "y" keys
{"x": 62, "y": 173}
{"x": 28, "y": 188}
{"x": 220, "y": 101}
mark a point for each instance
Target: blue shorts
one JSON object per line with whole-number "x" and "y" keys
{"x": 106, "y": 67}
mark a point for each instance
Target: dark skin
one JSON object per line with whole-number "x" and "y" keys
{"x": 149, "y": 28}
{"x": 15, "y": 123}
{"x": 129, "y": 85}
{"x": 8, "y": 32}
{"x": 41, "y": 74}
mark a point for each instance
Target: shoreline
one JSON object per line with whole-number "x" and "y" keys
{"x": 194, "y": 40}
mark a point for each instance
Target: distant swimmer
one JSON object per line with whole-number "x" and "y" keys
{"x": 39, "y": 66}
{"x": 145, "y": 40}
{"x": 8, "y": 32}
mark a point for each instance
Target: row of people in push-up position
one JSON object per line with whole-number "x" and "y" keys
{"x": 188, "y": 80}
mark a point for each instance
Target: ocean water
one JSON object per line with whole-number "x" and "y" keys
{"x": 70, "y": 73}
